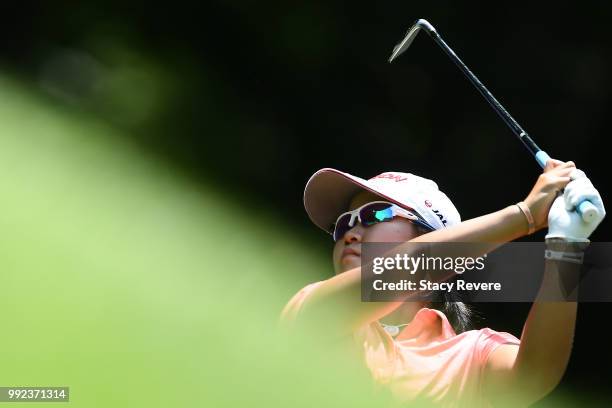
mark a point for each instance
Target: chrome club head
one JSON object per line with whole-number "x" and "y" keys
{"x": 410, "y": 36}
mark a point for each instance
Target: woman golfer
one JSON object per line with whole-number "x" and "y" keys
{"x": 424, "y": 351}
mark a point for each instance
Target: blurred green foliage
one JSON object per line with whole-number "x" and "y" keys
{"x": 125, "y": 281}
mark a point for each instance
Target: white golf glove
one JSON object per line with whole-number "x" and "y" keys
{"x": 563, "y": 220}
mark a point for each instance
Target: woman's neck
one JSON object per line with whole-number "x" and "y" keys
{"x": 403, "y": 314}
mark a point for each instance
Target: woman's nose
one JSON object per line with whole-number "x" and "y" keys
{"x": 354, "y": 234}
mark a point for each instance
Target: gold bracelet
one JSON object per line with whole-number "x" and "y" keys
{"x": 525, "y": 210}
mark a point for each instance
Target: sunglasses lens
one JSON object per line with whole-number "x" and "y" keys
{"x": 374, "y": 213}
{"x": 342, "y": 226}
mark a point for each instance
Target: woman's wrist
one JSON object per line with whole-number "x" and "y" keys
{"x": 531, "y": 228}
{"x": 516, "y": 222}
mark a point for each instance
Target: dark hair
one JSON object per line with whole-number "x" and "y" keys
{"x": 459, "y": 314}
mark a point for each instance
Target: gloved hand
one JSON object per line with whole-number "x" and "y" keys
{"x": 563, "y": 220}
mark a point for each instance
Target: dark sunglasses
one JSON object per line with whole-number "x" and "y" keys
{"x": 373, "y": 213}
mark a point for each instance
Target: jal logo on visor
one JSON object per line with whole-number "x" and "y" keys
{"x": 440, "y": 216}
{"x": 428, "y": 204}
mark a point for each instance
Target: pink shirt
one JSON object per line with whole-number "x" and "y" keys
{"x": 446, "y": 369}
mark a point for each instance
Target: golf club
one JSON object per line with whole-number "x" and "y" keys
{"x": 586, "y": 209}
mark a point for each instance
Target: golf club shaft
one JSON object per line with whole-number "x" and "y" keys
{"x": 586, "y": 209}
{"x": 501, "y": 111}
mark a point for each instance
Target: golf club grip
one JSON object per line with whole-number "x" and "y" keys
{"x": 586, "y": 209}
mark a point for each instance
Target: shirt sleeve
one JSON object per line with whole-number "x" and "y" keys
{"x": 292, "y": 308}
{"x": 490, "y": 340}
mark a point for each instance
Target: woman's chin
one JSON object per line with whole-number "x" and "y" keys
{"x": 349, "y": 262}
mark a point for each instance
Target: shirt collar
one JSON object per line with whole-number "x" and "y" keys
{"x": 425, "y": 321}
